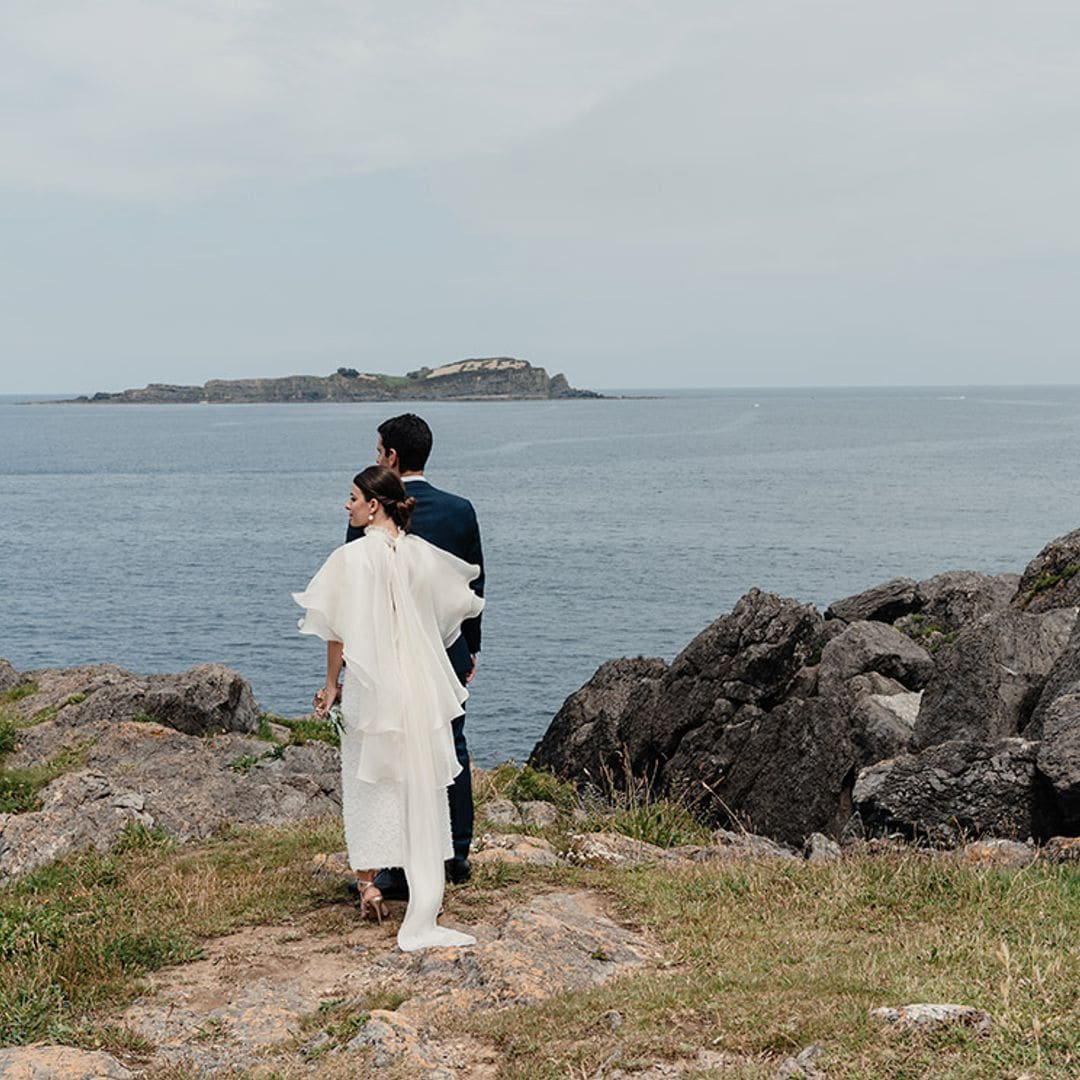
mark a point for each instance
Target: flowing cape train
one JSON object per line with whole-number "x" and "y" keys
{"x": 396, "y": 604}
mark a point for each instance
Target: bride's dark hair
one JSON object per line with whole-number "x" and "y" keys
{"x": 386, "y": 487}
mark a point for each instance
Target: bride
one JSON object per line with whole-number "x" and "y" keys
{"x": 390, "y": 603}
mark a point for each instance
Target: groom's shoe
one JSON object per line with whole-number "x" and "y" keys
{"x": 392, "y": 883}
{"x": 458, "y": 871}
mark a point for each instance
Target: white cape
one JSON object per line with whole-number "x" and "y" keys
{"x": 396, "y": 604}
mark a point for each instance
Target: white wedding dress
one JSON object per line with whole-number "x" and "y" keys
{"x": 396, "y": 604}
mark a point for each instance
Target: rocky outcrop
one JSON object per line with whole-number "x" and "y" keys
{"x": 987, "y": 684}
{"x": 495, "y": 378}
{"x": 883, "y": 603}
{"x": 1052, "y": 579}
{"x": 954, "y": 790}
{"x": 587, "y": 738}
{"x": 120, "y": 766}
{"x": 935, "y": 708}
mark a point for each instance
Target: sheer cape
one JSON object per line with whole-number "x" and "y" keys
{"x": 396, "y": 604}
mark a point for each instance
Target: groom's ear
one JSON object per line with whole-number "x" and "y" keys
{"x": 392, "y": 458}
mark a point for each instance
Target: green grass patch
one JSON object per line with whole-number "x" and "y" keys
{"x": 1047, "y": 580}
{"x": 76, "y": 936}
{"x": 20, "y": 787}
{"x": 522, "y": 783}
{"x": 310, "y": 729}
{"x": 17, "y": 693}
{"x": 144, "y": 718}
{"x": 9, "y": 734}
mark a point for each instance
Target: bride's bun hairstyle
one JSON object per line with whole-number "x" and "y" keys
{"x": 385, "y": 486}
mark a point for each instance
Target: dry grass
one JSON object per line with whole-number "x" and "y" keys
{"x": 76, "y": 936}
{"x": 765, "y": 959}
{"x": 761, "y": 959}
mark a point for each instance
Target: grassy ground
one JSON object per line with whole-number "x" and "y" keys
{"x": 761, "y": 960}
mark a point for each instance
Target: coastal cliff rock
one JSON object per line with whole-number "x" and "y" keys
{"x": 934, "y": 708}
{"x": 115, "y": 764}
{"x": 494, "y": 378}
{"x": 1052, "y": 579}
{"x": 956, "y": 789}
{"x": 987, "y": 683}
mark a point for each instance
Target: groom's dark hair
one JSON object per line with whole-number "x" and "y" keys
{"x": 410, "y": 436}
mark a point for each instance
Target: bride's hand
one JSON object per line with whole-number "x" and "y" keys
{"x": 325, "y": 698}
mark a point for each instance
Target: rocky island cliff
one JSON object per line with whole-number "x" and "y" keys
{"x": 501, "y": 378}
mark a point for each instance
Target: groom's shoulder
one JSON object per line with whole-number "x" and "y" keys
{"x": 447, "y": 501}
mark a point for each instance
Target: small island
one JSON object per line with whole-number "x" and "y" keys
{"x": 500, "y": 378}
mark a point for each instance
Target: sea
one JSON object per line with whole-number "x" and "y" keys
{"x": 161, "y": 536}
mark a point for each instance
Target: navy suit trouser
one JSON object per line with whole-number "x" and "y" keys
{"x": 461, "y": 798}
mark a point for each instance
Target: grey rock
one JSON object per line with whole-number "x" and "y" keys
{"x": 986, "y": 685}
{"x": 821, "y": 849}
{"x": 785, "y": 774}
{"x": 747, "y": 660}
{"x": 1061, "y": 849}
{"x": 613, "y": 849}
{"x": 873, "y": 647}
{"x": 513, "y": 848}
{"x": 539, "y": 814}
{"x": 500, "y": 812}
{"x": 1059, "y": 757}
{"x": 1052, "y": 579}
{"x": 802, "y": 1066}
{"x": 79, "y": 810}
{"x": 206, "y": 699}
{"x": 926, "y": 1017}
{"x": 884, "y": 725}
{"x": 998, "y": 853}
{"x": 9, "y": 677}
{"x": 1063, "y": 678}
{"x": 143, "y": 773}
{"x": 727, "y": 845}
{"x": 586, "y": 738}
{"x": 954, "y": 789}
{"x": 952, "y": 600}
{"x": 882, "y": 603}
{"x": 41, "y": 1062}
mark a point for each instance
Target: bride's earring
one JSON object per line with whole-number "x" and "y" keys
{"x": 370, "y": 518}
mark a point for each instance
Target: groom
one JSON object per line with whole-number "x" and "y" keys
{"x": 449, "y": 522}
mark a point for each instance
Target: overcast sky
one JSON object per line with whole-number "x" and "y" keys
{"x": 640, "y": 194}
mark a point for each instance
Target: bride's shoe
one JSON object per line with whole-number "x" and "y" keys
{"x": 371, "y": 900}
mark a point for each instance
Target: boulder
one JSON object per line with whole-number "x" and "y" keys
{"x": 144, "y": 773}
{"x": 43, "y": 1062}
{"x": 1063, "y": 678}
{"x": 882, "y": 603}
{"x": 1052, "y": 579}
{"x": 9, "y": 677}
{"x": 750, "y": 657}
{"x": 587, "y": 737}
{"x": 953, "y": 600}
{"x": 883, "y": 726}
{"x": 821, "y": 849}
{"x": 927, "y": 1017}
{"x": 986, "y": 685}
{"x": 1059, "y": 757}
{"x": 206, "y": 699}
{"x": 954, "y": 789}
{"x": 873, "y": 647}
{"x": 513, "y": 848}
{"x": 998, "y": 854}
{"x": 1061, "y": 849}
{"x": 786, "y": 773}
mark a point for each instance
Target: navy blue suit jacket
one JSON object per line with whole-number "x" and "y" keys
{"x": 449, "y": 522}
